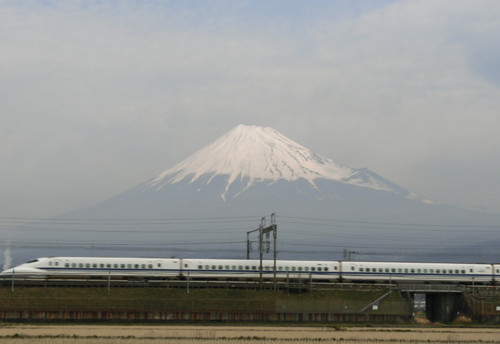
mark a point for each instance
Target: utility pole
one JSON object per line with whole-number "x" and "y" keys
{"x": 347, "y": 254}
{"x": 267, "y": 231}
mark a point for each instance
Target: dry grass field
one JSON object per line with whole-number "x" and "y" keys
{"x": 122, "y": 334}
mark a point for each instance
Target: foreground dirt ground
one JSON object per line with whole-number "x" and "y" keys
{"x": 239, "y": 334}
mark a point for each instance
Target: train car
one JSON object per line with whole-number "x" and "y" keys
{"x": 496, "y": 273}
{"x": 397, "y": 272}
{"x": 239, "y": 269}
{"x": 91, "y": 267}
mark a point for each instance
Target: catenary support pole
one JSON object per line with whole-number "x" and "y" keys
{"x": 261, "y": 249}
{"x": 275, "y": 235}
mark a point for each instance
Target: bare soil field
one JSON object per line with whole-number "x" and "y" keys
{"x": 121, "y": 334}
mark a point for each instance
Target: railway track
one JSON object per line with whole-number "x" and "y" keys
{"x": 293, "y": 285}
{"x": 267, "y": 285}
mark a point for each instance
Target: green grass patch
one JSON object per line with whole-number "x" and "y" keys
{"x": 57, "y": 298}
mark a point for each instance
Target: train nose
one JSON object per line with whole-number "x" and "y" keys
{"x": 6, "y": 273}
{"x": 20, "y": 272}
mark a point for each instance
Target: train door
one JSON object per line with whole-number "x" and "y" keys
{"x": 57, "y": 264}
{"x": 349, "y": 270}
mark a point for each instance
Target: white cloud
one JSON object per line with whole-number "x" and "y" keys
{"x": 97, "y": 98}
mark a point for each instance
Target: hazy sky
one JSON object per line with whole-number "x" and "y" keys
{"x": 98, "y": 96}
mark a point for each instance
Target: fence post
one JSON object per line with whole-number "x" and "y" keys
{"x": 287, "y": 283}
{"x": 299, "y": 285}
{"x": 188, "y": 283}
{"x": 311, "y": 283}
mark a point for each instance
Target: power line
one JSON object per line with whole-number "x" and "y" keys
{"x": 392, "y": 223}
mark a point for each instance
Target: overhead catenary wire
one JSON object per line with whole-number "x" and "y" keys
{"x": 332, "y": 228}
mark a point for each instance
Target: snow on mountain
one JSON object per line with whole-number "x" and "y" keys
{"x": 252, "y": 154}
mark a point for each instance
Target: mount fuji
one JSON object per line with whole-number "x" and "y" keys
{"x": 215, "y": 196}
{"x": 257, "y": 170}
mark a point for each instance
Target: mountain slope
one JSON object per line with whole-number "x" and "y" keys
{"x": 253, "y": 154}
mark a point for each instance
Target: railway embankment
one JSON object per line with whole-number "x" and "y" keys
{"x": 339, "y": 303}
{"x": 201, "y": 304}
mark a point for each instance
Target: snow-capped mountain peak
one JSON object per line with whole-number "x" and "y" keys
{"x": 255, "y": 154}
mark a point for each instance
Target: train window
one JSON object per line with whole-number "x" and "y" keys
{"x": 207, "y": 267}
{"x": 431, "y": 271}
{"x": 470, "y": 270}
{"x": 456, "y": 271}
{"x": 129, "y": 266}
{"x": 94, "y": 265}
{"x": 214, "y": 267}
{"x": 497, "y": 271}
{"x": 361, "y": 269}
{"x": 108, "y": 265}
{"x": 400, "y": 270}
{"x": 240, "y": 267}
{"x": 101, "y": 265}
{"x": 247, "y": 267}
{"x": 150, "y": 266}
{"x": 80, "y": 265}
{"x": 280, "y": 268}
{"x": 293, "y": 268}
{"x": 406, "y": 270}
{"x": 115, "y": 266}
{"x": 412, "y": 270}
{"x": 57, "y": 264}
{"x": 136, "y": 266}
{"x": 335, "y": 268}
{"x": 419, "y": 271}
{"x": 159, "y": 265}
{"x": 325, "y": 269}
{"x": 143, "y": 266}
{"x": 380, "y": 270}
{"x": 444, "y": 271}
{"x": 352, "y": 268}
{"x": 234, "y": 267}
{"x": 386, "y": 270}
{"x": 393, "y": 270}
{"x": 185, "y": 265}
{"x": 200, "y": 267}
{"x": 425, "y": 271}
{"x": 300, "y": 268}
{"x": 87, "y": 265}
{"x": 220, "y": 267}
{"x": 438, "y": 271}
{"x": 73, "y": 265}
{"x": 319, "y": 268}
{"x": 227, "y": 267}
{"x": 268, "y": 268}
{"x": 306, "y": 269}
{"x": 254, "y": 267}
{"x": 66, "y": 265}
{"x": 50, "y": 263}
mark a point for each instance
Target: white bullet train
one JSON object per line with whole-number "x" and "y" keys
{"x": 238, "y": 269}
